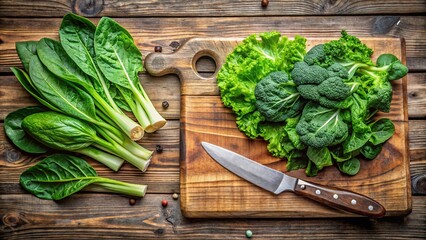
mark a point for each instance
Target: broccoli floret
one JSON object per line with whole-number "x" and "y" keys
{"x": 277, "y": 97}
{"x": 337, "y": 70}
{"x": 322, "y": 85}
{"x": 321, "y": 127}
{"x": 334, "y": 88}
{"x": 317, "y": 56}
{"x": 303, "y": 73}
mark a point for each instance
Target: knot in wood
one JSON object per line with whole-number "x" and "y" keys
{"x": 11, "y": 155}
{"x": 419, "y": 184}
{"x": 87, "y": 7}
{"x": 11, "y": 219}
{"x": 384, "y": 24}
{"x": 174, "y": 44}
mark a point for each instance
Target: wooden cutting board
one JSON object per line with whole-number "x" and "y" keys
{"x": 209, "y": 190}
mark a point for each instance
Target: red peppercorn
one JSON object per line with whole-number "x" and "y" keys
{"x": 164, "y": 203}
{"x": 264, "y": 3}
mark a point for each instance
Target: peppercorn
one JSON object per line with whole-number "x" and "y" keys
{"x": 132, "y": 201}
{"x": 175, "y": 196}
{"x": 249, "y": 234}
{"x": 265, "y": 3}
{"x": 164, "y": 203}
{"x": 165, "y": 104}
{"x": 158, "y": 49}
{"x": 159, "y": 148}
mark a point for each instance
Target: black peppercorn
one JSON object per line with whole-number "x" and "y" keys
{"x": 158, "y": 49}
{"x": 159, "y": 148}
{"x": 132, "y": 201}
{"x": 165, "y": 104}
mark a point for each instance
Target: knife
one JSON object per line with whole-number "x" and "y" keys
{"x": 278, "y": 182}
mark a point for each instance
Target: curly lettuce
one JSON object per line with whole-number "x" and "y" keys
{"x": 251, "y": 61}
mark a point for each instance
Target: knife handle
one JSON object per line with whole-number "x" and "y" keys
{"x": 341, "y": 199}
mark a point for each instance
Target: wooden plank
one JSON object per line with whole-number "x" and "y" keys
{"x": 134, "y": 8}
{"x": 101, "y": 216}
{"x": 150, "y": 32}
{"x": 167, "y": 88}
{"x": 416, "y": 93}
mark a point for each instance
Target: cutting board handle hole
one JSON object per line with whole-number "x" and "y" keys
{"x": 204, "y": 64}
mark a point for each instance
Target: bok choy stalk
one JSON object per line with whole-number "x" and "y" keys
{"x": 61, "y": 175}
{"x": 62, "y": 132}
{"x": 120, "y": 61}
{"x": 64, "y": 96}
{"x": 56, "y": 60}
{"x": 86, "y": 44}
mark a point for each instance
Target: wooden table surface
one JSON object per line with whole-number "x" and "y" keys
{"x": 167, "y": 24}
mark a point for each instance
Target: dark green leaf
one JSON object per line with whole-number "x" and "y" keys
{"x": 25, "y": 51}
{"x": 13, "y": 129}
{"x": 296, "y": 160}
{"x": 277, "y": 97}
{"x": 320, "y": 156}
{"x": 321, "y": 127}
{"x": 311, "y": 169}
{"x": 25, "y": 81}
{"x": 371, "y": 151}
{"x": 58, "y": 176}
{"x": 382, "y": 130}
{"x": 54, "y": 58}
{"x": 61, "y": 94}
{"x": 350, "y": 167}
{"x": 117, "y": 55}
{"x": 59, "y": 131}
{"x": 77, "y": 38}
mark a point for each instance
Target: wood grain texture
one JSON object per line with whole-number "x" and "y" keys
{"x": 150, "y": 32}
{"x": 160, "y": 23}
{"x": 133, "y": 8}
{"x": 210, "y": 191}
{"x": 101, "y": 216}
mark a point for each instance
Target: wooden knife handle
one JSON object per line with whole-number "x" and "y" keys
{"x": 341, "y": 199}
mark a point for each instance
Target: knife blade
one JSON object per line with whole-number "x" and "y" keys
{"x": 277, "y": 182}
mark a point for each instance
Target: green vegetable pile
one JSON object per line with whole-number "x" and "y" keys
{"x": 314, "y": 108}
{"x": 87, "y": 83}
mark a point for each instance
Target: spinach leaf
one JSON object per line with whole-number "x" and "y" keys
{"x": 321, "y": 157}
{"x": 350, "y": 167}
{"x": 60, "y": 175}
{"x": 13, "y": 129}
{"x": 296, "y": 160}
{"x": 370, "y": 151}
{"x": 120, "y": 61}
{"x": 77, "y": 38}
{"x": 62, "y": 132}
{"x": 61, "y": 94}
{"x": 59, "y": 131}
{"x": 26, "y": 82}
{"x": 382, "y": 130}
{"x": 54, "y": 58}
{"x": 57, "y": 61}
{"x": 25, "y": 51}
{"x": 277, "y": 97}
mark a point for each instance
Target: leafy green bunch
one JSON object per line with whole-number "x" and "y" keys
{"x": 87, "y": 82}
{"x": 314, "y": 108}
